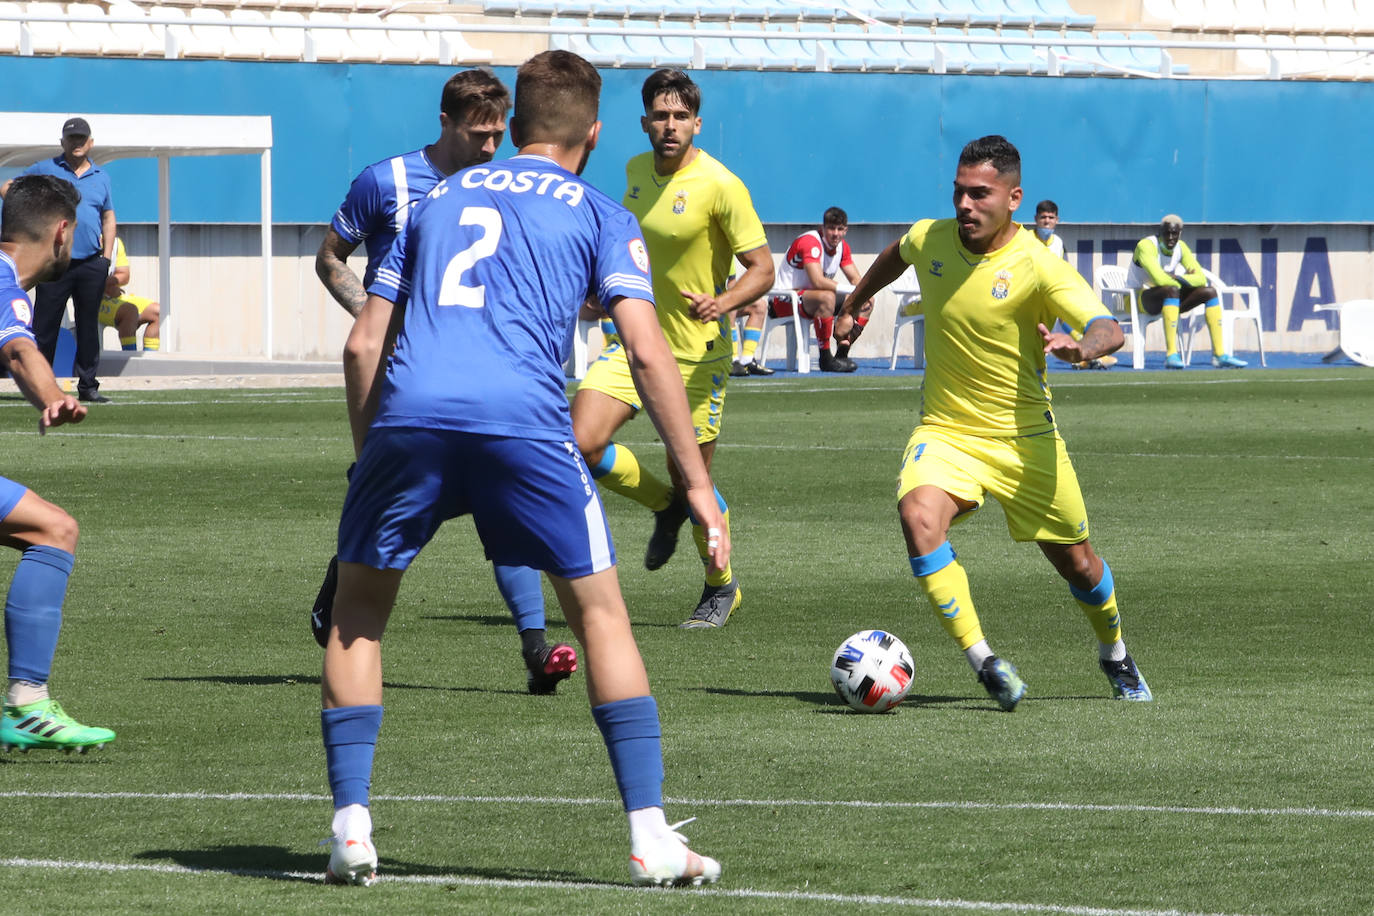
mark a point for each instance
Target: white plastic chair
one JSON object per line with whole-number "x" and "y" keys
{"x": 797, "y": 328}
{"x": 1355, "y": 320}
{"x": 1248, "y": 295}
{"x": 1124, "y": 302}
{"x": 908, "y": 293}
{"x": 576, "y": 366}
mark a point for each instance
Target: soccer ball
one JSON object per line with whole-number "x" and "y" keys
{"x": 872, "y": 671}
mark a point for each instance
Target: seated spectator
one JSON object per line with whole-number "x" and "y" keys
{"x": 1046, "y": 221}
{"x": 1172, "y": 282}
{"x": 746, "y": 348}
{"x": 125, "y": 313}
{"x": 810, "y": 266}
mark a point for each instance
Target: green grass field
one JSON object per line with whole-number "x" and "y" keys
{"x": 1234, "y": 509}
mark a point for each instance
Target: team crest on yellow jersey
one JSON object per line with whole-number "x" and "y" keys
{"x": 1002, "y": 287}
{"x": 680, "y": 202}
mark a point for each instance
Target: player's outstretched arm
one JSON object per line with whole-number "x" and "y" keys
{"x": 331, "y": 266}
{"x": 659, "y": 381}
{"x": 364, "y": 359}
{"x": 1102, "y": 336}
{"x": 34, "y": 377}
{"x": 882, "y": 273}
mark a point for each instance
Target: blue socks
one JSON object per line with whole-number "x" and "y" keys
{"x": 523, "y": 594}
{"x": 631, "y": 731}
{"x": 350, "y": 740}
{"x": 33, "y": 611}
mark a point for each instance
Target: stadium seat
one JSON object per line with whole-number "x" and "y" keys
{"x": 48, "y": 37}
{"x": 208, "y": 35}
{"x": 901, "y": 12}
{"x": 1059, "y": 14}
{"x": 1244, "y": 307}
{"x": 1124, "y": 303}
{"x": 771, "y": 54}
{"x": 797, "y": 329}
{"x": 908, "y": 293}
{"x": 1355, "y": 324}
{"x": 1008, "y": 12}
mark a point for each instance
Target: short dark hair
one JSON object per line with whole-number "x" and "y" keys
{"x": 671, "y": 82}
{"x": 834, "y": 216}
{"x": 1047, "y": 206}
{"x": 475, "y": 97}
{"x": 997, "y": 151}
{"x": 557, "y": 94}
{"x": 33, "y": 203}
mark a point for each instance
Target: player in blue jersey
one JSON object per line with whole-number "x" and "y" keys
{"x": 472, "y": 122}
{"x": 36, "y": 228}
{"x": 505, "y": 253}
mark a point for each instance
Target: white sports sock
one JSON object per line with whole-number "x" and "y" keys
{"x": 977, "y": 654}
{"x": 353, "y": 822}
{"x": 648, "y": 826}
{"x": 1112, "y": 652}
{"x": 22, "y": 693}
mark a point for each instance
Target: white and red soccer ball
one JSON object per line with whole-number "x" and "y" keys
{"x": 872, "y": 671}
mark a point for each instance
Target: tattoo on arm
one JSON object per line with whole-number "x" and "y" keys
{"x": 331, "y": 266}
{"x": 344, "y": 285}
{"x": 1098, "y": 339}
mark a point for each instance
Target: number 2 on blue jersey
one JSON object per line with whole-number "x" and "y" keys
{"x": 452, "y": 291}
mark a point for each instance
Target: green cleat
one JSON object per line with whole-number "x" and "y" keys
{"x": 1001, "y": 681}
{"x": 45, "y": 725}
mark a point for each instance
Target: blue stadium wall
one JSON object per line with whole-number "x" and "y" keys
{"x": 883, "y": 146}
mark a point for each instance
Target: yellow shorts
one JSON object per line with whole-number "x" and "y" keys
{"x": 1031, "y": 476}
{"x": 705, "y": 383}
{"x": 110, "y": 307}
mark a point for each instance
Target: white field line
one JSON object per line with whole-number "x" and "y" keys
{"x": 726, "y": 446}
{"x": 779, "y": 386}
{"x": 1228, "y": 811}
{"x": 509, "y": 884}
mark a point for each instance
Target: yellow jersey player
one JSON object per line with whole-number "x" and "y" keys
{"x": 990, "y": 293}
{"x": 125, "y": 312}
{"x": 1171, "y": 281}
{"x": 695, "y": 216}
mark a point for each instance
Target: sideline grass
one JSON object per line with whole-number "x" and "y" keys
{"x": 1233, "y": 508}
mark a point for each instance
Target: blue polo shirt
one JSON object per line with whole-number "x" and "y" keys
{"x": 96, "y": 198}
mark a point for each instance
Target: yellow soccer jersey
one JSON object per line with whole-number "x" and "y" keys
{"x": 985, "y": 361}
{"x": 694, "y": 221}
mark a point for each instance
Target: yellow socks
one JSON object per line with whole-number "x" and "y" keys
{"x": 750, "y": 344}
{"x": 620, "y": 472}
{"x": 946, "y": 585}
{"x": 1170, "y": 313}
{"x": 1099, "y": 606}
{"x": 699, "y": 535}
{"x": 1213, "y": 316}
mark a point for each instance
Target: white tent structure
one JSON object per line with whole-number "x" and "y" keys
{"x": 26, "y": 137}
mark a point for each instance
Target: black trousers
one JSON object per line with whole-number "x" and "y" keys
{"x": 83, "y": 284}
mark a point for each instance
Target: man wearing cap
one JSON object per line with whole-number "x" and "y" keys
{"x": 1171, "y": 282}
{"x": 92, "y": 253}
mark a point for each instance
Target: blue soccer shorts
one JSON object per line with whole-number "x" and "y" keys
{"x": 10, "y": 494}
{"x": 533, "y": 501}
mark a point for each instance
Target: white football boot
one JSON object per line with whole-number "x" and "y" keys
{"x": 672, "y": 864}
{"x": 351, "y": 861}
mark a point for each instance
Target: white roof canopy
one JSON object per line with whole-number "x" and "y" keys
{"x": 28, "y": 136}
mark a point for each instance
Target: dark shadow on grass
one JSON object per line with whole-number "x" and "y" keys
{"x": 485, "y": 620}
{"x": 830, "y": 704}
{"x": 278, "y": 680}
{"x": 276, "y": 863}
